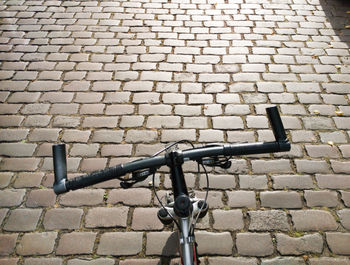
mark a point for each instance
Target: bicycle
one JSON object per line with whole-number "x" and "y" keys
{"x": 184, "y": 209}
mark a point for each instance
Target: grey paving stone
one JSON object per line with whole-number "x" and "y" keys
{"x": 268, "y": 220}
{"x": 254, "y": 244}
{"x": 287, "y": 245}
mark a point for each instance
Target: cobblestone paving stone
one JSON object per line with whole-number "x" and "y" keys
{"x": 118, "y": 79}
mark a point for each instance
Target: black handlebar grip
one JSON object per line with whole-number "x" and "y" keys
{"x": 60, "y": 167}
{"x": 95, "y": 177}
{"x": 276, "y": 124}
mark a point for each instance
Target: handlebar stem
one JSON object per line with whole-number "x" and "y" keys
{"x": 182, "y": 203}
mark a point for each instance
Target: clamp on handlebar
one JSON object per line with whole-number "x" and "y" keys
{"x": 137, "y": 176}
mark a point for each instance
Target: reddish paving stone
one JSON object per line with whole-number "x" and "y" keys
{"x": 62, "y": 218}
{"x": 340, "y": 167}
{"x": 214, "y": 243}
{"x": 86, "y": 197}
{"x": 321, "y": 198}
{"x": 312, "y": 166}
{"x": 75, "y": 135}
{"x": 141, "y": 136}
{"x": 22, "y": 220}
{"x": 146, "y": 219}
{"x": 282, "y": 261}
{"x": 10, "y": 135}
{"x": 43, "y": 261}
{"x": 120, "y": 243}
{"x": 218, "y": 182}
{"x": 106, "y": 217}
{"x": 345, "y": 150}
{"x": 84, "y": 150}
{"x": 71, "y": 243}
{"x": 333, "y": 181}
{"x": 345, "y": 197}
{"x": 7, "y": 244}
{"x": 338, "y": 242}
{"x": 299, "y": 182}
{"x": 10, "y": 121}
{"x": 214, "y": 198}
{"x": 93, "y": 164}
{"x": 9, "y": 261}
{"x": 258, "y": 182}
{"x": 139, "y": 196}
{"x": 19, "y": 164}
{"x": 5, "y": 179}
{"x": 84, "y": 261}
{"x": 322, "y": 151}
{"x": 232, "y": 261}
{"x": 313, "y": 220}
{"x": 335, "y": 137}
{"x": 281, "y": 199}
{"x": 227, "y": 123}
{"x": 37, "y": 243}
{"x": 327, "y": 260}
{"x": 17, "y": 149}
{"x": 139, "y": 262}
{"x": 177, "y": 135}
{"x": 344, "y": 216}
{"x": 3, "y": 213}
{"x": 273, "y": 166}
{"x": 239, "y": 199}
{"x": 228, "y": 220}
{"x": 162, "y": 243}
{"x": 287, "y": 245}
{"x": 11, "y": 197}
{"x": 254, "y": 244}
{"x": 41, "y": 198}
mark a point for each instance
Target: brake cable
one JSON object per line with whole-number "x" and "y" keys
{"x": 153, "y": 178}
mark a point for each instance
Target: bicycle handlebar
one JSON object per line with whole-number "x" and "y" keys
{"x": 62, "y": 185}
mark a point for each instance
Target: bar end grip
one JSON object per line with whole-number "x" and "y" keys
{"x": 276, "y": 124}
{"x": 60, "y": 168}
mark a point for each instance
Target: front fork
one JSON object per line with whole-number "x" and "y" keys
{"x": 187, "y": 243}
{"x": 188, "y": 246}
{"x": 182, "y": 208}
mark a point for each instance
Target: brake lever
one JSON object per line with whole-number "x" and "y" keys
{"x": 223, "y": 163}
{"x": 137, "y": 176}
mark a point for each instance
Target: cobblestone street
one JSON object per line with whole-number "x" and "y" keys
{"x": 118, "y": 80}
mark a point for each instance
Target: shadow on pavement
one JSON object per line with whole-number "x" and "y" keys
{"x": 336, "y": 12}
{"x": 169, "y": 250}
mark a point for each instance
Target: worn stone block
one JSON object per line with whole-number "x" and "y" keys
{"x": 287, "y": 245}
{"x": 268, "y": 220}
{"x": 254, "y": 244}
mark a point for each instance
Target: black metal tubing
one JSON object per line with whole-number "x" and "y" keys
{"x": 62, "y": 185}
{"x": 174, "y": 162}
{"x": 182, "y": 203}
{"x": 155, "y": 162}
{"x": 276, "y": 124}
{"x": 60, "y": 167}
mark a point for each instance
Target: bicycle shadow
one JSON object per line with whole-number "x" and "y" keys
{"x": 337, "y": 16}
{"x": 170, "y": 253}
